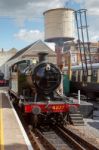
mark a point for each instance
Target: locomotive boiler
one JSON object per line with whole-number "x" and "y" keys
{"x": 34, "y": 87}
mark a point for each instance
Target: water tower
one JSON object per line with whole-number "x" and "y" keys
{"x": 59, "y": 28}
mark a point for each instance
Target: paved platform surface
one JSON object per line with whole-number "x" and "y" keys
{"x": 12, "y": 134}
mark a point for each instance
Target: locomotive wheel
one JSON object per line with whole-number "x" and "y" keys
{"x": 34, "y": 120}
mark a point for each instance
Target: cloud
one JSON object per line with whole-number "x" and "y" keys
{"x": 92, "y": 6}
{"x": 93, "y": 18}
{"x": 27, "y": 8}
{"x": 23, "y": 10}
{"x": 29, "y": 35}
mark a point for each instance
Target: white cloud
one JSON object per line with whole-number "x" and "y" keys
{"x": 92, "y": 6}
{"x": 94, "y": 36}
{"x": 92, "y": 16}
{"x": 23, "y": 10}
{"x": 51, "y": 45}
{"x": 29, "y": 35}
{"x": 27, "y": 8}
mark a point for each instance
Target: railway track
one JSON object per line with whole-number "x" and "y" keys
{"x": 50, "y": 140}
{"x": 88, "y": 142}
{"x": 58, "y": 138}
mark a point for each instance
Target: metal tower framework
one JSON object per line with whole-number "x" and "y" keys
{"x": 83, "y": 42}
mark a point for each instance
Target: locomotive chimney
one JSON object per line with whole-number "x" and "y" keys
{"x": 43, "y": 56}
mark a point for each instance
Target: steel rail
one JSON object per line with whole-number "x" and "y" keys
{"x": 34, "y": 141}
{"x": 69, "y": 139}
{"x": 80, "y": 140}
{"x": 47, "y": 144}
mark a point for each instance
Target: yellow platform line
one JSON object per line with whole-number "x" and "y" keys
{"x": 1, "y": 131}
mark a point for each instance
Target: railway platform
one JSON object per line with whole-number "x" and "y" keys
{"x": 12, "y": 133}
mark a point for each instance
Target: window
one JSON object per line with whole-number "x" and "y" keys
{"x": 78, "y": 75}
{"x": 93, "y": 49}
{"x": 22, "y": 66}
{"x": 73, "y": 75}
{"x": 94, "y": 75}
{"x": 66, "y": 48}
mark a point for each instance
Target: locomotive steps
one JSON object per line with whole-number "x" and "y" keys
{"x": 76, "y": 118}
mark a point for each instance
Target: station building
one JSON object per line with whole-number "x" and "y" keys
{"x": 30, "y": 52}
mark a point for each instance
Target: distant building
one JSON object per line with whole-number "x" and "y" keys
{"x": 72, "y": 49}
{"x": 4, "y": 57}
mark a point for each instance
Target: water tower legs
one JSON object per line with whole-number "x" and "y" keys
{"x": 59, "y": 54}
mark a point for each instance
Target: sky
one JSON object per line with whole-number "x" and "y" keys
{"x": 22, "y": 21}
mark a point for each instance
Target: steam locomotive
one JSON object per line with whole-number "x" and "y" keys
{"x": 34, "y": 89}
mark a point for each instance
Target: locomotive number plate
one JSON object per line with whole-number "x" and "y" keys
{"x": 58, "y": 107}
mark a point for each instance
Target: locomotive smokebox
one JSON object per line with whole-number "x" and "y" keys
{"x": 43, "y": 56}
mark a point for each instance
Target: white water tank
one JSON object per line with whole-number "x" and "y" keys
{"x": 59, "y": 25}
